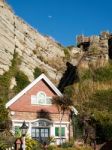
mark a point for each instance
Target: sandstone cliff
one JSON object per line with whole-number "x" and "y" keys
{"x": 34, "y": 49}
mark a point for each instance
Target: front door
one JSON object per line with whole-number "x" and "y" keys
{"x": 40, "y": 134}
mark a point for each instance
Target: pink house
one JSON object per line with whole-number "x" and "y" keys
{"x": 34, "y": 106}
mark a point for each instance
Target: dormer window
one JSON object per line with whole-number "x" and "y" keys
{"x": 41, "y": 99}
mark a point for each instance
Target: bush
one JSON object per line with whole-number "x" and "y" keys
{"x": 6, "y": 78}
{"x": 66, "y": 52}
{"x": 6, "y": 140}
{"x": 68, "y": 91}
{"x": 37, "y": 72}
{"x": 50, "y": 139}
{"x": 100, "y": 105}
{"x": 67, "y": 144}
{"x": 69, "y": 148}
{"x": 83, "y": 148}
{"x": 32, "y": 144}
{"x": 52, "y": 147}
{"x": 22, "y": 81}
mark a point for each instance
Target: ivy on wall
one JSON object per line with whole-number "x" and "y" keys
{"x": 5, "y": 79}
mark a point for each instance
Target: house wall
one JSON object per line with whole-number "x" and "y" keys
{"x": 22, "y": 110}
{"x": 24, "y": 102}
{"x": 54, "y": 119}
{"x": 51, "y": 127}
{"x": 34, "y": 116}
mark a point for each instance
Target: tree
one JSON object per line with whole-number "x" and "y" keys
{"x": 4, "y": 119}
{"x": 63, "y": 104}
{"x": 6, "y": 138}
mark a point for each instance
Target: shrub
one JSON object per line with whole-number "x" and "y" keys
{"x": 101, "y": 105}
{"x": 50, "y": 139}
{"x": 32, "y": 144}
{"x": 69, "y": 148}
{"x": 66, "y": 52}
{"x": 37, "y": 72}
{"x": 22, "y": 81}
{"x": 52, "y": 147}
{"x": 4, "y": 118}
{"x": 83, "y": 148}
{"x": 6, "y": 78}
{"x": 6, "y": 140}
{"x": 67, "y": 144}
{"x": 68, "y": 91}
{"x": 3, "y": 145}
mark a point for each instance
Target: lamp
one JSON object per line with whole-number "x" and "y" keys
{"x": 24, "y": 129}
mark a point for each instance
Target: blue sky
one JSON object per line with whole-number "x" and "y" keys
{"x": 64, "y": 19}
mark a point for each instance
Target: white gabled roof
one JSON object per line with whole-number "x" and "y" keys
{"x": 42, "y": 76}
{"x": 74, "y": 110}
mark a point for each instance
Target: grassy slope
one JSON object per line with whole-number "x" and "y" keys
{"x": 93, "y": 95}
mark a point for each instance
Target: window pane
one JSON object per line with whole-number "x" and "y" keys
{"x": 37, "y": 130}
{"x": 56, "y": 131}
{"x": 42, "y": 130}
{"x": 48, "y": 100}
{"x": 42, "y": 134}
{"x": 37, "y": 134}
{"x": 33, "y": 99}
{"x": 41, "y": 95}
{"x": 33, "y": 132}
{"x": 41, "y": 101}
{"x": 46, "y": 130}
{"x": 41, "y": 98}
{"x": 46, "y": 134}
{"x": 63, "y": 131}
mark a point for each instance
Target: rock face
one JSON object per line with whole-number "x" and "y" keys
{"x": 34, "y": 49}
{"x": 41, "y": 51}
{"x": 96, "y": 49}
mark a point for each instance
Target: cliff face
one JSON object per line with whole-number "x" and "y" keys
{"x": 34, "y": 49}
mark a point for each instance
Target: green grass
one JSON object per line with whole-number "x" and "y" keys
{"x": 101, "y": 74}
{"x": 101, "y": 100}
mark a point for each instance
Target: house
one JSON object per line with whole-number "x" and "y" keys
{"x": 34, "y": 106}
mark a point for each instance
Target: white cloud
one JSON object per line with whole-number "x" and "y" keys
{"x": 49, "y": 16}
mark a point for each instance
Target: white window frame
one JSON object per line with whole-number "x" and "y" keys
{"x": 39, "y": 99}
{"x": 66, "y": 130}
{"x": 35, "y": 100}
